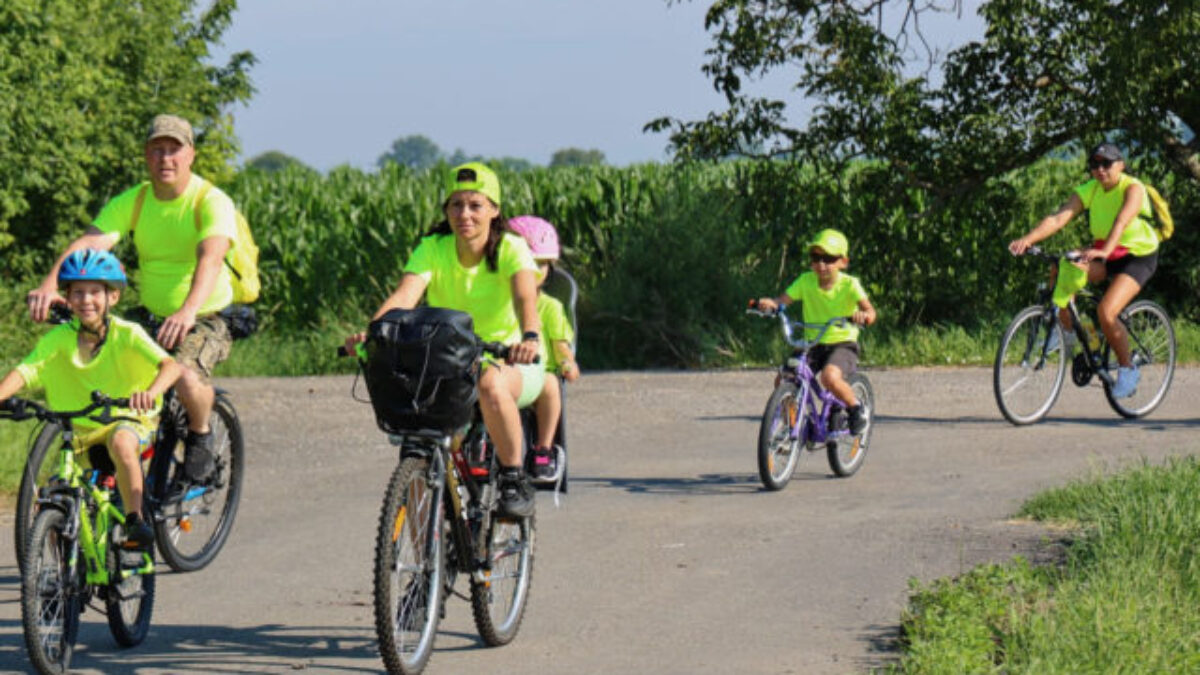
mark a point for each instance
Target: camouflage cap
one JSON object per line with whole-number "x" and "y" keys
{"x": 170, "y": 126}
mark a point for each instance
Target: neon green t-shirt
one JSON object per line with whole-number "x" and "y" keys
{"x": 128, "y": 361}
{"x": 555, "y": 327}
{"x": 820, "y": 305}
{"x": 166, "y": 239}
{"x": 478, "y": 291}
{"x": 1103, "y": 206}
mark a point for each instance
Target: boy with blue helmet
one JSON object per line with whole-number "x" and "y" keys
{"x": 98, "y": 352}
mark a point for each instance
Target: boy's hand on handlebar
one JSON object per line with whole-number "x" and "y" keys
{"x": 141, "y": 401}
{"x": 353, "y": 341}
{"x": 1019, "y": 246}
{"x": 861, "y": 318}
{"x": 39, "y": 301}
{"x": 767, "y": 305}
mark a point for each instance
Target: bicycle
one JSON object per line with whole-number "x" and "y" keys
{"x": 74, "y": 552}
{"x": 439, "y": 520}
{"x": 801, "y": 412}
{"x": 1031, "y": 362}
{"x": 191, "y": 522}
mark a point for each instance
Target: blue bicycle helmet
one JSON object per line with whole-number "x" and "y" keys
{"x": 92, "y": 265}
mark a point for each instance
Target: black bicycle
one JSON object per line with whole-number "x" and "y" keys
{"x": 1031, "y": 363}
{"x": 439, "y": 520}
{"x": 191, "y": 522}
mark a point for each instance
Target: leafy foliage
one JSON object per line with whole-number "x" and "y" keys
{"x": 1047, "y": 73}
{"x": 79, "y": 82}
{"x": 415, "y": 152}
{"x": 274, "y": 160}
{"x": 576, "y": 157}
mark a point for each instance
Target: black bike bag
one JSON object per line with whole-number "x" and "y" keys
{"x": 422, "y": 369}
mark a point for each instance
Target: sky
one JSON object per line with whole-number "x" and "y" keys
{"x": 339, "y": 81}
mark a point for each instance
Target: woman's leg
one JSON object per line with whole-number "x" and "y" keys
{"x": 499, "y": 389}
{"x": 1121, "y": 291}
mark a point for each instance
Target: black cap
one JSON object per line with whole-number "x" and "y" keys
{"x": 1107, "y": 151}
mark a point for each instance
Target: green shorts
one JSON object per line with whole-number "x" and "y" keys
{"x": 533, "y": 380}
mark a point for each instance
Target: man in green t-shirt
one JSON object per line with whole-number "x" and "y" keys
{"x": 182, "y": 228}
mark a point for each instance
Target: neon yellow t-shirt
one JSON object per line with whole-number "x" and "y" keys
{"x": 166, "y": 239}
{"x": 478, "y": 291}
{"x": 555, "y": 328}
{"x": 820, "y": 305}
{"x": 1103, "y": 206}
{"x": 128, "y": 361}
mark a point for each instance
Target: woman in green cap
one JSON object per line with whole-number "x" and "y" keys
{"x": 473, "y": 263}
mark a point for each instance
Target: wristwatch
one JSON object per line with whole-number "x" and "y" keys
{"x": 531, "y": 335}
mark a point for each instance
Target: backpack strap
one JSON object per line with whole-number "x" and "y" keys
{"x": 138, "y": 203}
{"x": 199, "y": 201}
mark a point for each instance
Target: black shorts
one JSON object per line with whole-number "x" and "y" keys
{"x": 844, "y": 355}
{"x": 1139, "y": 267}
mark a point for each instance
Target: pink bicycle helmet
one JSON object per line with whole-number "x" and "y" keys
{"x": 539, "y": 234}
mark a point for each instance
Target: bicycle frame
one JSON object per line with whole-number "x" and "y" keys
{"x": 818, "y": 403}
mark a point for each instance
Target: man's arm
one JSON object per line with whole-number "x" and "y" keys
{"x": 46, "y": 294}
{"x": 11, "y": 384}
{"x": 210, "y": 255}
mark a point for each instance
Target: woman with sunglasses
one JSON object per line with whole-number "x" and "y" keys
{"x": 1124, "y": 247}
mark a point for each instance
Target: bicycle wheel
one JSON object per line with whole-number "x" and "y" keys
{"x": 1027, "y": 378}
{"x": 499, "y": 594}
{"x": 409, "y": 566}
{"x": 129, "y": 602}
{"x": 50, "y": 602}
{"x": 41, "y": 463}
{"x": 778, "y": 452}
{"x": 191, "y": 528}
{"x": 846, "y": 454}
{"x": 1152, "y": 345}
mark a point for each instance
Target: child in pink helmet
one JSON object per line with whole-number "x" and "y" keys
{"x": 559, "y": 336}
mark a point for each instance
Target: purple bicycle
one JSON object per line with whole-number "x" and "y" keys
{"x": 801, "y": 415}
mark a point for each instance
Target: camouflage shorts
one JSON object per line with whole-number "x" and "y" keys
{"x": 205, "y": 346}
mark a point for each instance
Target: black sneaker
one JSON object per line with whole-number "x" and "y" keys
{"x": 516, "y": 495}
{"x": 138, "y": 533}
{"x": 198, "y": 460}
{"x": 858, "y": 421}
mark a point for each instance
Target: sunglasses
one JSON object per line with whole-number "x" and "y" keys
{"x": 1094, "y": 164}
{"x": 824, "y": 257}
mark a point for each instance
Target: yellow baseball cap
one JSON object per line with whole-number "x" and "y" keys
{"x": 831, "y": 241}
{"x": 473, "y": 176}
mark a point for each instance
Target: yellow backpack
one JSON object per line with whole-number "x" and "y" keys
{"x": 242, "y": 258}
{"x": 1163, "y": 222}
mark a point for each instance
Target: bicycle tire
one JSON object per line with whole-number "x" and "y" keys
{"x": 191, "y": 531}
{"x": 410, "y": 559}
{"x": 128, "y": 603}
{"x": 40, "y": 464}
{"x": 1026, "y": 387}
{"x": 778, "y": 453}
{"x": 500, "y": 593}
{"x": 50, "y": 608}
{"x": 847, "y": 454}
{"x": 1152, "y": 346}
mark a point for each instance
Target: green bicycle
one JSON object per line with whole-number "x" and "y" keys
{"x": 75, "y": 552}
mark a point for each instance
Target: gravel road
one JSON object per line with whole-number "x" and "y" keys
{"x": 666, "y": 555}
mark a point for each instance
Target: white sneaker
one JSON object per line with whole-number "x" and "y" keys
{"x": 1070, "y": 340}
{"x": 1127, "y": 382}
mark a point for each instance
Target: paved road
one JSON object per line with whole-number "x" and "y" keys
{"x": 666, "y": 555}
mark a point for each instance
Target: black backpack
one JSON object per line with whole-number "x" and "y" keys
{"x": 422, "y": 369}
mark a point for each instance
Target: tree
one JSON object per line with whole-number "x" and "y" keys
{"x": 79, "y": 82}
{"x": 1047, "y": 73}
{"x": 417, "y": 152}
{"x": 576, "y": 157}
{"x": 274, "y": 160}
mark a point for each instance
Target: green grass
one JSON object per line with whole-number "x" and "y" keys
{"x": 1123, "y": 600}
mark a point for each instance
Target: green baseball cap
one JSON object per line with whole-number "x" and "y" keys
{"x": 475, "y": 177}
{"x": 831, "y": 241}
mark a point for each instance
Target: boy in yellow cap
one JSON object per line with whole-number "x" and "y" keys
{"x": 826, "y": 293}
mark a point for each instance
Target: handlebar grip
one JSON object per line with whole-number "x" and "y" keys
{"x": 342, "y": 351}
{"x": 59, "y": 313}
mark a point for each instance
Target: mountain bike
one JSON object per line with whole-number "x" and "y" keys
{"x": 801, "y": 415}
{"x": 74, "y": 552}
{"x": 439, "y": 519}
{"x": 1031, "y": 363}
{"x": 191, "y": 522}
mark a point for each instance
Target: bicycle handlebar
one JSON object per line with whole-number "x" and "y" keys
{"x": 19, "y": 409}
{"x": 1037, "y": 251}
{"x": 498, "y": 349}
{"x": 789, "y": 325}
